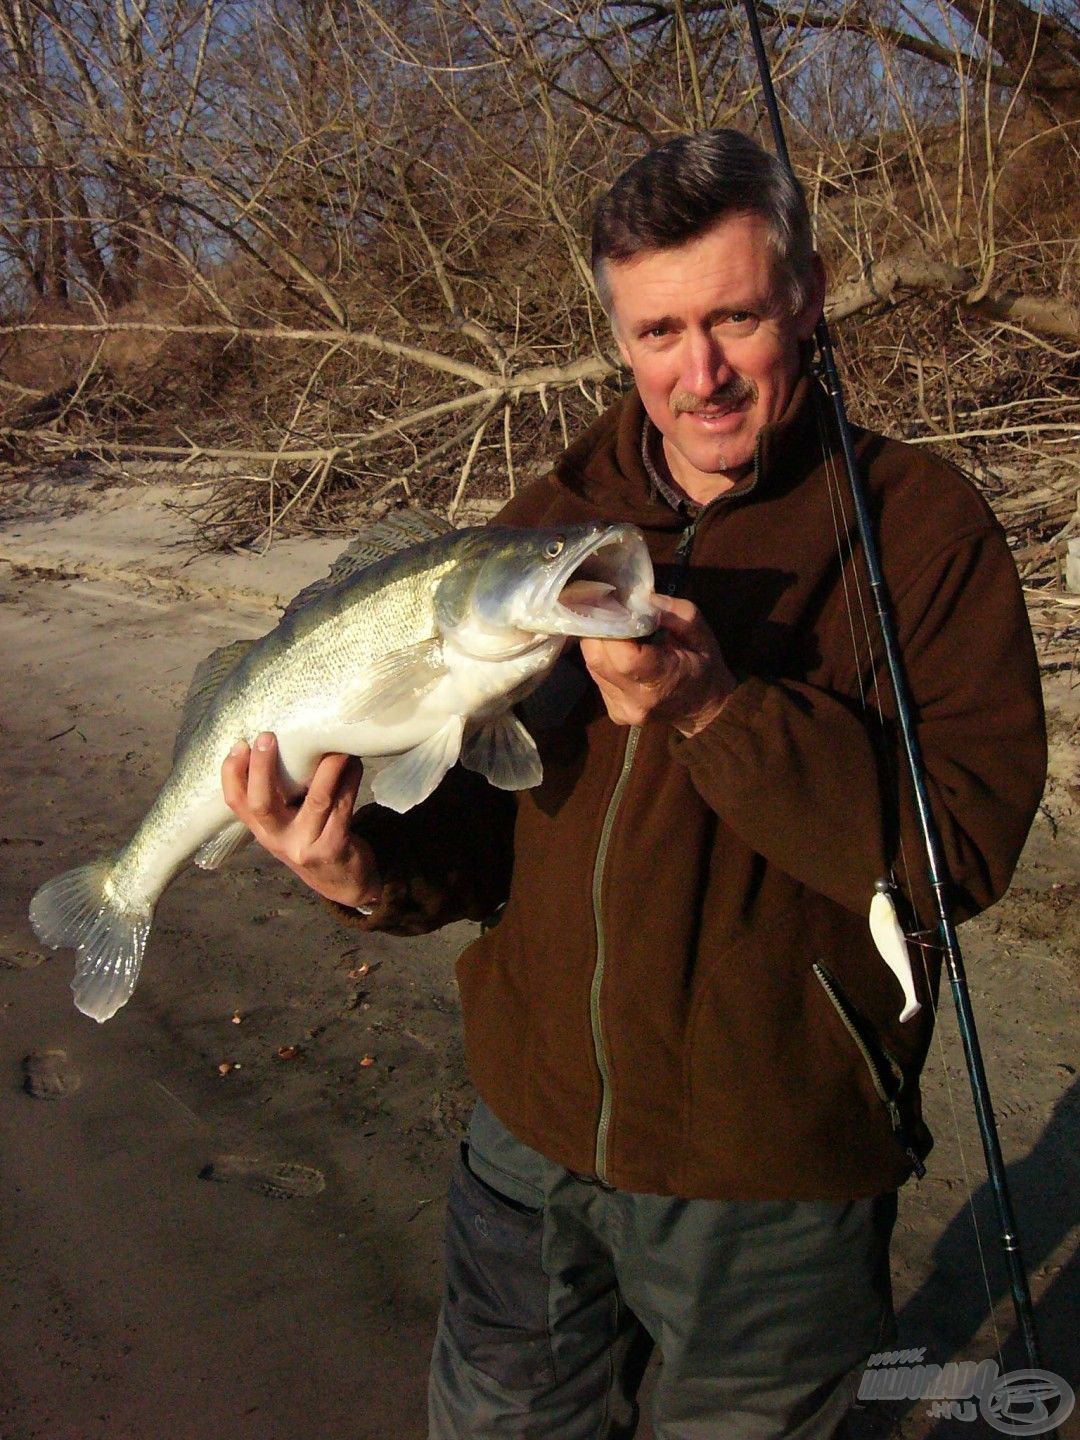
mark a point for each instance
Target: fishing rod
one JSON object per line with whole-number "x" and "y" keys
{"x": 950, "y": 945}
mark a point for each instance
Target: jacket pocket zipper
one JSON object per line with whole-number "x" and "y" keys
{"x": 888, "y": 1087}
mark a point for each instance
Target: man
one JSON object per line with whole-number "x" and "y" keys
{"x": 697, "y": 1098}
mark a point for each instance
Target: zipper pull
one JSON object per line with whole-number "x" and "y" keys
{"x": 677, "y": 579}
{"x": 686, "y": 539}
{"x": 899, "y": 1130}
{"x": 917, "y": 1166}
{"x": 891, "y": 942}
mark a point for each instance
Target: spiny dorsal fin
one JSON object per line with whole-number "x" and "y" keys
{"x": 205, "y": 683}
{"x": 396, "y": 531}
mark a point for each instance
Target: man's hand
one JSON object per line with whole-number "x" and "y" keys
{"x": 311, "y": 836}
{"x": 680, "y": 676}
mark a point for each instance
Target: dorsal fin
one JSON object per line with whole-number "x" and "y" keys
{"x": 205, "y": 683}
{"x": 396, "y": 531}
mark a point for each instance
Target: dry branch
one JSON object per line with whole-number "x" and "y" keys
{"x": 533, "y": 378}
{"x": 914, "y": 269}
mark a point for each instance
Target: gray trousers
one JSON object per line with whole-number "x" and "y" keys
{"x": 558, "y": 1288}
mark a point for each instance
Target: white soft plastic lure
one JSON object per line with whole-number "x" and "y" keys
{"x": 888, "y": 935}
{"x": 416, "y": 646}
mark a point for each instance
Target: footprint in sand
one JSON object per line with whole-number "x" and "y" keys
{"x": 49, "y": 1075}
{"x": 278, "y": 1179}
{"x": 20, "y": 959}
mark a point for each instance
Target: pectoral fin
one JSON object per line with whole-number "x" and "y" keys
{"x": 400, "y": 678}
{"x": 504, "y": 751}
{"x": 214, "y": 852}
{"x": 413, "y": 776}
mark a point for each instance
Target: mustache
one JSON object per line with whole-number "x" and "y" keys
{"x": 729, "y": 396}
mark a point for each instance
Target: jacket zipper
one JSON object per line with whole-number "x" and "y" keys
{"x": 598, "y": 971}
{"x": 887, "y": 1097}
{"x": 603, "y": 1124}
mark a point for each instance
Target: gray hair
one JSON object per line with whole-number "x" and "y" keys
{"x": 677, "y": 191}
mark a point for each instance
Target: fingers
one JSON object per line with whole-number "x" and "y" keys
{"x": 323, "y": 791}
{"x": 349, "y": 785}
{"x": 681, "y": 677}
{"x": 628, "y": 675}
{"x": 252, "y": 789}
{"x": 646, "y": 662}
{"x": 252, "y": 783}
{"x": 234, "y": 776}
{"x": 265, "y": 795}
{"x": 620, "y": 660}
{"x": 321, "y": 824}
{"x": 681, "y": 617}
{"x": 313, "y": 838}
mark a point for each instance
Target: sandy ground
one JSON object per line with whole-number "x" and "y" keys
{"x": 140, "y": 1298}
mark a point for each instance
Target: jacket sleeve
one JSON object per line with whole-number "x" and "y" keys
{"x": 447, "y": 859}
{"x": 820, "y": 787}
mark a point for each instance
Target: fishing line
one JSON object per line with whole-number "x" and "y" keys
{"x": 836, "y": 503}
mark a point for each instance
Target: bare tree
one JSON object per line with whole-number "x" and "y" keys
{"x": 346, "y": 244}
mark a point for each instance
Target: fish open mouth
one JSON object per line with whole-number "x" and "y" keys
{"x": 603, "y": 586}
{"x": 591, "y": 599}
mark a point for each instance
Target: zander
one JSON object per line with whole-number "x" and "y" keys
{"x": 415, "y": 646}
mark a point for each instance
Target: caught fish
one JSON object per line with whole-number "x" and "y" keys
{"x": 415, "y": 647}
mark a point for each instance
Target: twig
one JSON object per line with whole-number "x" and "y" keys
{"x": 459, "y": 493}
{"x": 1040, "y": 426}
{"x": 508, "y": 448}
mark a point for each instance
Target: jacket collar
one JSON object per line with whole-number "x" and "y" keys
{"x": 606, "y": 466}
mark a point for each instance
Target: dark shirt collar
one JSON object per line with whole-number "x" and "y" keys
{"x": 663, "y": 489}
{"x": 793, "y": 433}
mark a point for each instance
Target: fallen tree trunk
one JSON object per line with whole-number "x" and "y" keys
{"x": 914, "y": 269}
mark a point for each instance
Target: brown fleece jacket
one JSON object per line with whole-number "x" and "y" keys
{"x": 681, "y": 994}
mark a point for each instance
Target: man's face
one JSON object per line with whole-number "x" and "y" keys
{"x": 707, "y": 331}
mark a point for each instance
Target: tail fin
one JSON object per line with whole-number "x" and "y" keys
{"x": 79, "y": 910}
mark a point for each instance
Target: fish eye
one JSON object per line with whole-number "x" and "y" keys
{"x": 554, "y": 548}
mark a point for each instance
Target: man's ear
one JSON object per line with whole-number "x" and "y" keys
{"x": 623, "y": 351}
{"x": 812, "y": 311}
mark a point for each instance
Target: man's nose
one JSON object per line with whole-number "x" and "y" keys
{"x": 705, "y": 365}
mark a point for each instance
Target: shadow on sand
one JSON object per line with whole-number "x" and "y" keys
{"x": 950, "y": 1309}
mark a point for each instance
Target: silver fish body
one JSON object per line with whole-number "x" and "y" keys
{"x": 417, "y": 655}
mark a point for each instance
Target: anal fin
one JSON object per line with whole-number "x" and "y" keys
{"x": 213, "y": 853}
